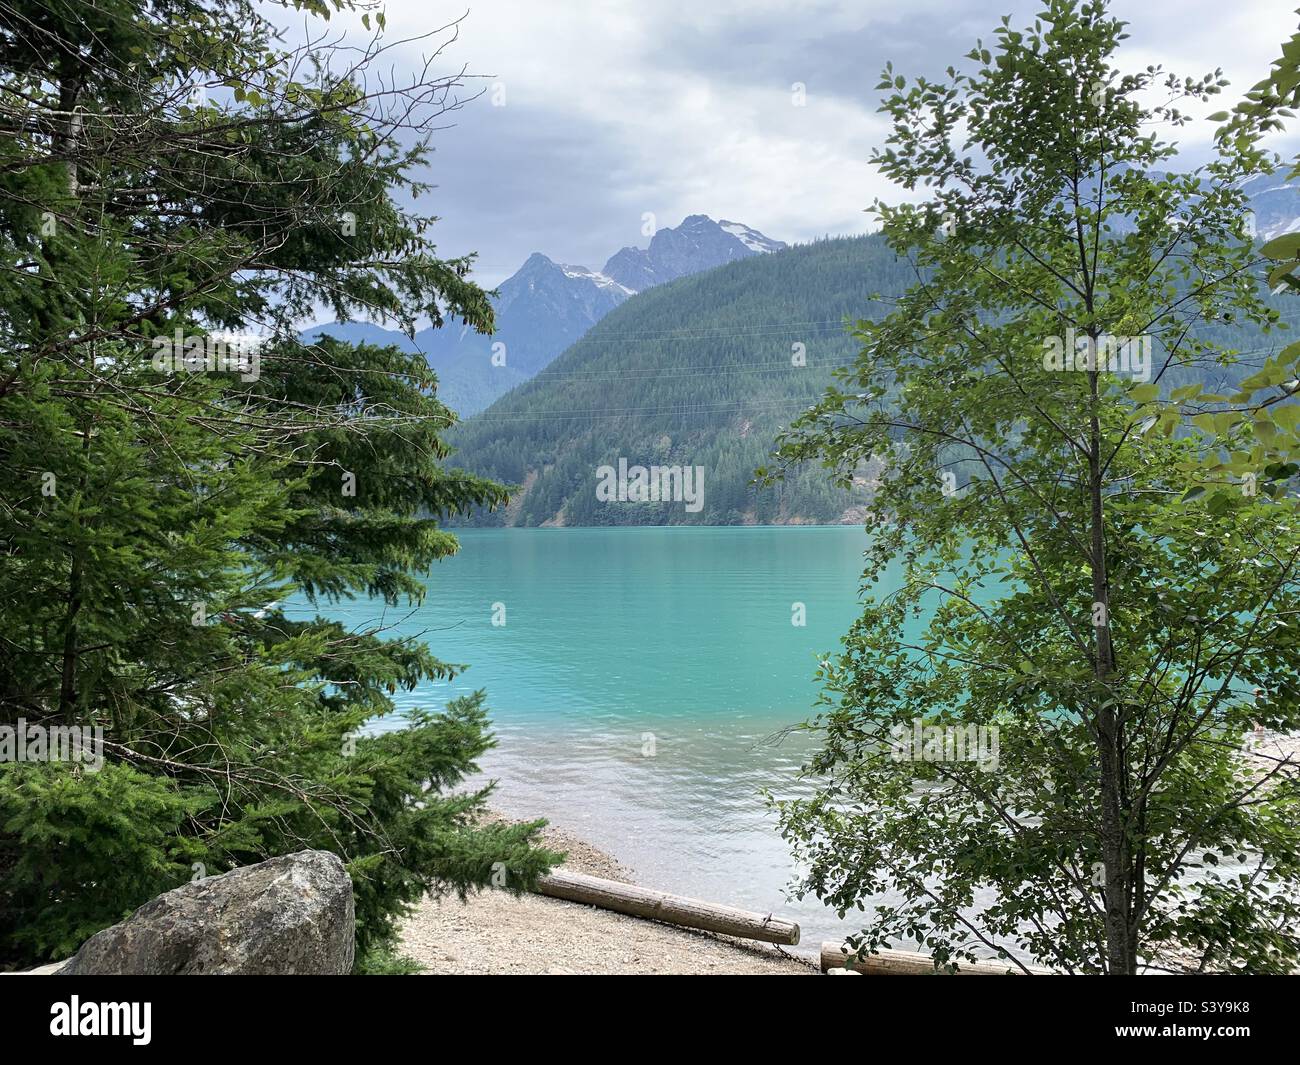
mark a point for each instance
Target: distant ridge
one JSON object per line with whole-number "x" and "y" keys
{"x": 702, "y": 372}
{"x": 545, "y": 306}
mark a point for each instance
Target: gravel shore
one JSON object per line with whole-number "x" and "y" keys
{"x": 1273, "y": 752}
{"x": 495, "y": 933}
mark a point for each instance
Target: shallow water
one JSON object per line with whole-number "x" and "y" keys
{"x": 638, "y": 684}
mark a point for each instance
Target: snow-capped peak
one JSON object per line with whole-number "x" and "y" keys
{"x": 603, "y": 280}
{"x": 751, "y": 238}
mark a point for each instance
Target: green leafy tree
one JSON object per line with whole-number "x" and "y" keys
{"x": 1099, "y": 545}
{"x": 1267, "y": 108}
{"x": 170, "y": 170}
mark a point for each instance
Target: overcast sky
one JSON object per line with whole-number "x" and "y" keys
{"x": 616, "y": 108}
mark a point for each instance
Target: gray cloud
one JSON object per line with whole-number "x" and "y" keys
{"x": 616, "y": 109}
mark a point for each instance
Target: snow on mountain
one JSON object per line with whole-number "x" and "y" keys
{"x": 1275, "y": 205}
{"x": 751, "y": 238}
{"x": 545, "y": 306}
{"x": 699, "y": 243}
{"x": 591, "y": 275}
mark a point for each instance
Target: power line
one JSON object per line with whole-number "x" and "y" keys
{"x": 596, "y": 333}
{"x": 623, "y": 412}
{"x": 652, "y": 374}
{"x": 657, "y": 373}
{"x": 616, "y": 412}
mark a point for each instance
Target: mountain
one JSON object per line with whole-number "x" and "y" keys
{"x": 697, "y": 372}
{"x": 699, "y": 243}
{"x": 360, "y": 333}
{"x": 540, "y": 310}
{"x": 1276, "y": 206}
{"x": 545, "y": 306}
{"x": 1272, "y": 204}
{"x": 701, "y": 373}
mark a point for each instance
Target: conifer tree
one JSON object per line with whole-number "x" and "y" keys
{"x": 179, "y": 192}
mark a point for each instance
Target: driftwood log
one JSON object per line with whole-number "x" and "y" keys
{"x": 911, "y": 963}
{"x": 661, "y": 906}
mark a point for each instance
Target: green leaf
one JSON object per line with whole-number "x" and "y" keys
{"x": 1286, "y": 246}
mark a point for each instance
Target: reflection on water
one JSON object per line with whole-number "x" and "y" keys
{"x": 688, "y": 819}
{"x": 638, "y": 684}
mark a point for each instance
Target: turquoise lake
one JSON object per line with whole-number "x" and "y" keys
{"x": 639, "y": 685}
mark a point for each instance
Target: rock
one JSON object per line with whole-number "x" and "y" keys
{"x": 288, "y": 916}
{"x": 842, "y": 972}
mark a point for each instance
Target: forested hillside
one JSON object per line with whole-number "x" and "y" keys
{"x": 545, "y": 306}
{"x": 703, "y": 372}
{"x": 699, "y": 372}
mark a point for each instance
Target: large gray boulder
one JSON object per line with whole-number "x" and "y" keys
{"x": 288, "y": 916}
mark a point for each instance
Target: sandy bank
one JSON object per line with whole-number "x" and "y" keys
{"x": 495, "y": 933}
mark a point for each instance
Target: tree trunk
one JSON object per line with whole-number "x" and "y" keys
{"x": 1121, "y": 953}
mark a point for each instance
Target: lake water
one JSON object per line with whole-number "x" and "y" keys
{"x": 639, "y": 683}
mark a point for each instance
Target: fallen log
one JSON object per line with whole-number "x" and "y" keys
{"x": 912, "y": 963}
{"x": 672, "y": 909}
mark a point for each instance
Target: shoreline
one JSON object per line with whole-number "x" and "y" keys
{"x": 496, "y": 933}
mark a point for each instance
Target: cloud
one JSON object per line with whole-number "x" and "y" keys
{"x": 618, "y": 108}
